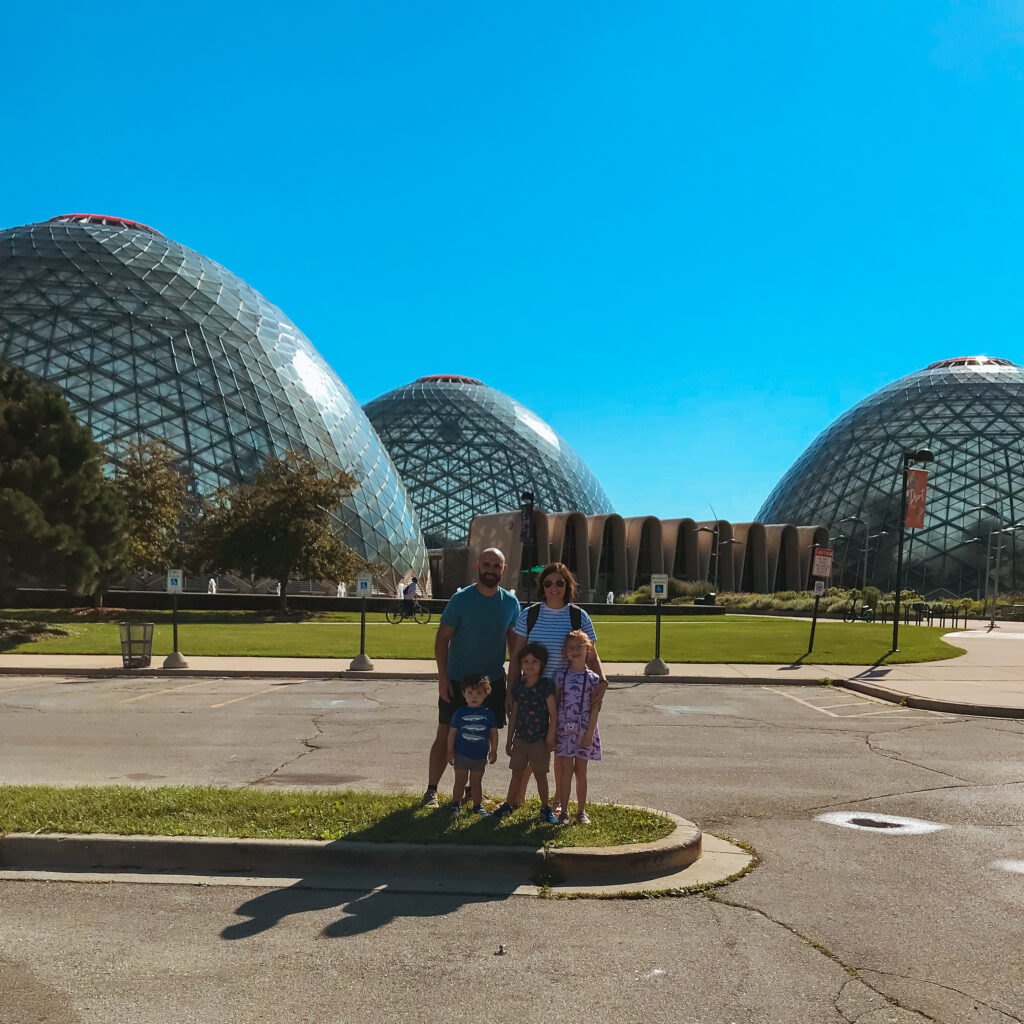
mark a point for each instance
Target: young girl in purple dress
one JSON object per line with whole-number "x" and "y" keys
{"x": 577, "y": 742}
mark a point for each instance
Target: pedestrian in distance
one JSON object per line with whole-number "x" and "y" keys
{"x": 577, "y": 741}
{"x": 531, "y": 733}
{"x": 476, "y": 627}
{"x": 472, "y": 742}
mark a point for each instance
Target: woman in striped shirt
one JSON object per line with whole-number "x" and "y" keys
{"x": 549, "y": 624}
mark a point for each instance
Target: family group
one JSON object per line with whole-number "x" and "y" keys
{"x": 551, "y": 695}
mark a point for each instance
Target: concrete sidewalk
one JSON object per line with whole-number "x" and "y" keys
{"x": 987, "y": 680}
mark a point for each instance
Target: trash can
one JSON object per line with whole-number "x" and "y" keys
{"x": 136, "y": 643}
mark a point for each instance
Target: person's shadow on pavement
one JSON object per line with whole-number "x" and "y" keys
{"x": 369, "y": 902}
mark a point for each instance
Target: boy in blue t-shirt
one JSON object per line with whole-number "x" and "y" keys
{"x": 472, "y": 742}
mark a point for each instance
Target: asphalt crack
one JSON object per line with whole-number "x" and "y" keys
{"x": 853, "y": 972}
{"x": 908, "y": 792}
{"x": 893, "y": 755}
{"x": 855, "y": 991}
{"x": 309, "y": 745}
{"x": 946, "y": 988}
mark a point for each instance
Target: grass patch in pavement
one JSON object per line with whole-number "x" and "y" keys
{"x": 288, "y": 814}
{"x": 737, "y": 639}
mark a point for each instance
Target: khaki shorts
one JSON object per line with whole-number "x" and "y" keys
{"x": 536, "y": 755}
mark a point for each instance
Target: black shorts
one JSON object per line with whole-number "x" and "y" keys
{"x": 495, "y": 701}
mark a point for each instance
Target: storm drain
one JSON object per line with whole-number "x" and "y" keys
{"x": 889, "y": 823}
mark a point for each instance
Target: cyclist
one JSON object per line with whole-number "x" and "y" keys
{"x": 409, "y": 598}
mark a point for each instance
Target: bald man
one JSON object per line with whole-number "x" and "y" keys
{"x": 475, "y": 631}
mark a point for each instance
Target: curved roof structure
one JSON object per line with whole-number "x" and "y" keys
{"x": 464, "y": 449}
{"x": 969, "y": 411}
{"x": 151, "y": 340}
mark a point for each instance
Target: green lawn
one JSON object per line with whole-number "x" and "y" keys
{"x": 281, "y": 814}
{"x": 700, "y": 639}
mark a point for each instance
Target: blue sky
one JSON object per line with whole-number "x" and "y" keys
{"x": 687, "y": 235}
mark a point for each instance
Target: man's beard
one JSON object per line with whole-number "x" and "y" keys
{"x": 490, "y": 579}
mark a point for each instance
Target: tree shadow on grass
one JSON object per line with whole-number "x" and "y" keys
{"x": 373, "y": 890}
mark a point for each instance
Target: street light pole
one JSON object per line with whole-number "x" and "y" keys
{"x": 866, "y": 523}
{"x": 711, "y": 553}
{"x": 921, "y": 455}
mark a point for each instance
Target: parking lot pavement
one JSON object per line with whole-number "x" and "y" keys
{"x": 839, "y": 921}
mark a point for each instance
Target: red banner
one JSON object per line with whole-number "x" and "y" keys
{"x": 917, "y": 489}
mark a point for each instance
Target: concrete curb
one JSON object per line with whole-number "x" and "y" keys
{"x": 582, "y": 865}
{"x": 130, "y": 673}
{"x": 885, "y": 693}
{"x": 950, "y": 707}
{"x": 300, "y": 857}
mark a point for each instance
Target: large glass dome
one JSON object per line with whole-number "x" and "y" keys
{"x": 464, "y": 449}
{"x": 970, "y": 413}
{"x": 149, "y": 339}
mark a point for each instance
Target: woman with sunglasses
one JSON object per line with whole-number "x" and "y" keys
{"x": 550, "y": 627}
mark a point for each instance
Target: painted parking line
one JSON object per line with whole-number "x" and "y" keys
{"x": 824, "y": 709}
{"x": 235, "y": 700}
{"x": 800, "y": 700}
{"x": 27, "y": 686}
{"x": 157, "y": 693}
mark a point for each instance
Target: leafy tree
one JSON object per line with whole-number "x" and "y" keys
{"x": 282, "y": 524}
{"x": 60, "y": 517}
{"x": 155, "y": 495}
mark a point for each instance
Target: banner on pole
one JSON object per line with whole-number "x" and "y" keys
{"x": 917, "y": 489}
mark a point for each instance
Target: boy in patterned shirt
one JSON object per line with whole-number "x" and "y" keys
{"x": 531, "y": 731}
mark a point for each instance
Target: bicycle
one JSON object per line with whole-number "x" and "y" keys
{"x": 865, "y": 614}
{"x": 401, "y": 613}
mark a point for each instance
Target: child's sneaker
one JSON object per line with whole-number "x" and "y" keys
{"x": 430, "y": 798}
{"x": 481, "y": 810}
{"x": 548, "y": 816}
{"x": 503, "y": 811}
{"x": 455, "y": 809}
{"x": 563, "y": 818}
{"x": 583, "y": 818}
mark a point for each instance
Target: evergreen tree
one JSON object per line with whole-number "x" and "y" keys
{"x": 60, "y": 517}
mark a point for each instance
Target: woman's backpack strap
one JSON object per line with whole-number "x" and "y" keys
{"x": 533, "y": 614}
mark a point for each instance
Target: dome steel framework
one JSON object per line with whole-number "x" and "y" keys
{"x": 151, "y": 340}
{"x": 969, "y": 412}
{"x": 464, "y": 449}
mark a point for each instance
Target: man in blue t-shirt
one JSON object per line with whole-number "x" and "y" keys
{"x": 475, "y": 630}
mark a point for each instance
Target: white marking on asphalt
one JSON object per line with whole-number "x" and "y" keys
{"x": 800, "y": 700}
{"x": 823, "y": 708}
{"x": 894, "y": 825}
{"x": 868, "y": 714}
{"x": 1014, "y": 866}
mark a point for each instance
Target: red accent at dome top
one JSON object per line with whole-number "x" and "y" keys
{"x": 969, "y": 361}
{"x": 447, "y": 378}
{"x": 102, "y": 218}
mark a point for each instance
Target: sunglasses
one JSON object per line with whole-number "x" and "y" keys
{"x": 552, "y": 582}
